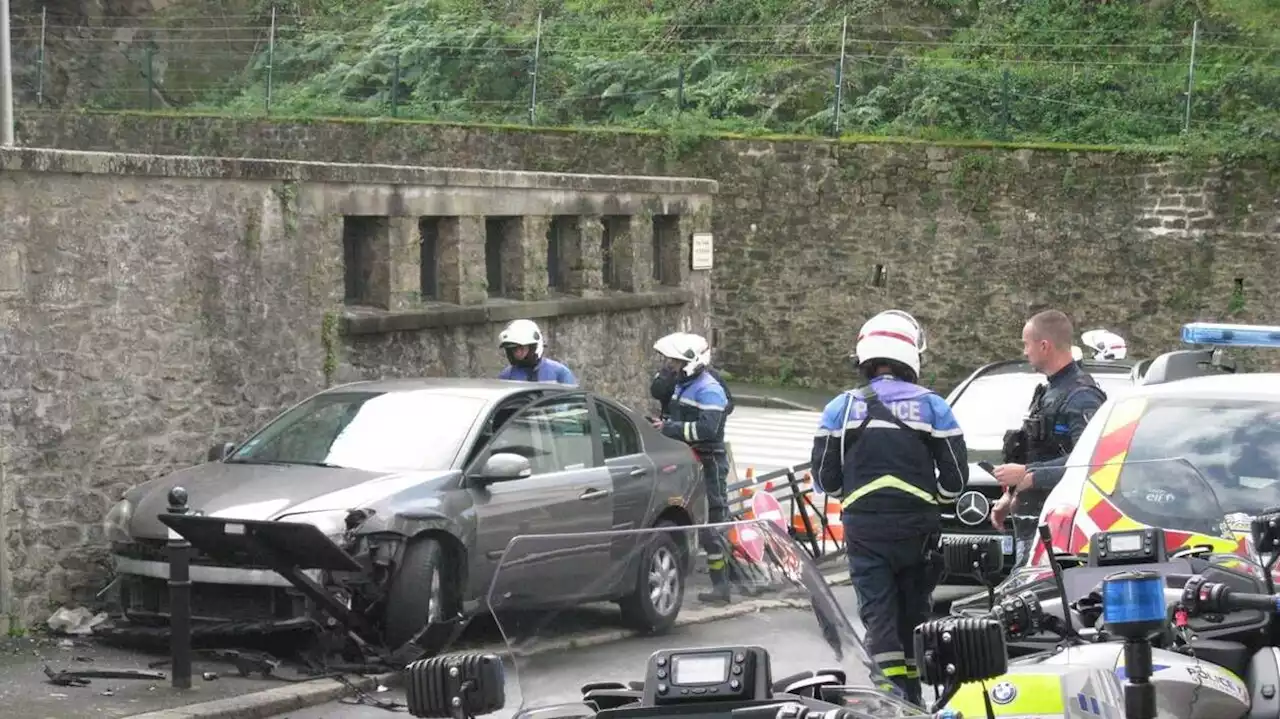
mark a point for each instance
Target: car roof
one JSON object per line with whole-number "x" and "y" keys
{"x": 1022, "y": 366}
{"x": 490, "y": 390}
{"x": 1244, "y": 385}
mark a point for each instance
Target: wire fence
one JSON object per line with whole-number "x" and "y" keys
{"x": 807, "y": 79}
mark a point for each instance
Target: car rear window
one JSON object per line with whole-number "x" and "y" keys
{"x": 1235, "y": 445}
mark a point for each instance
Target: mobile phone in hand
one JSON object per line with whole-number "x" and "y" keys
{"x": 987, "y": 467}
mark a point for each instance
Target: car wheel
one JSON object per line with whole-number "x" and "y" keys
{"x": 655, "y": 602}
{"x": 419, "y": 575}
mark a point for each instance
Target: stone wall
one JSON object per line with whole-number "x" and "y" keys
{"x": 154, "y": 305}
{"x": 813, "y": 237}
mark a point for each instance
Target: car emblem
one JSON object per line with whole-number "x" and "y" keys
{"x": 1003, "y": 693}
{"x": 972, "y": 508}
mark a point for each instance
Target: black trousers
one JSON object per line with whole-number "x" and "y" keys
{"x": 894, "y": 582}
{"x": 715, "y": 476}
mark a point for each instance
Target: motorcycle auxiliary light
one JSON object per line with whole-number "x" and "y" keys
{"x": 1133, "y": 607}
{"x": 1133, "y": 604}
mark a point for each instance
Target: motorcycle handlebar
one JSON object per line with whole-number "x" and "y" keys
{"x": 1201, "y": 597}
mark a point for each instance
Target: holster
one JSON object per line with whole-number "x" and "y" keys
{"x": 1015, "y": 447}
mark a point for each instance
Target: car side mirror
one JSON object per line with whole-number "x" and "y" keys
{"x": 504, "y": 467}
{"x": 220, "y": 451}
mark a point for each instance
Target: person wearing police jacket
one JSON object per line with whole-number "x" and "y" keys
{"x": 1036, "y": 453}
{"x": 695, "y": 415}
{"x": 523, "y": 343}
{"x": 876, "y": 449}
{"x": 663, "y": 384}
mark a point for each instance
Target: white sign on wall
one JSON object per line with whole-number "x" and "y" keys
{"x": 702, "y": 252}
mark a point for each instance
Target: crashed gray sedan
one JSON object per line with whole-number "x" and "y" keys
{"x": 425, "y": 482}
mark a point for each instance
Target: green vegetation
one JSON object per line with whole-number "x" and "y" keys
{"x": 1076, "y": 71}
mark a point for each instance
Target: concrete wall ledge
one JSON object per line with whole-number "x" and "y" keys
{"x": 110, "y": 163}
{"x": 367, "y": 321}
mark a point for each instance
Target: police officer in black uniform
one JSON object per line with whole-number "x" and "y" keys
{"x": 1035, "y": 454}
{"x": 877, "y": 448}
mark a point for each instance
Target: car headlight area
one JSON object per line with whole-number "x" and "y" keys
{"x": 116, "y": 524}
{"x": 332, "y": 522}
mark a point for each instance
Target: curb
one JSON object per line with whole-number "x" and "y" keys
{"x": 756, "y": 400}
{"x": 291, "y": 697}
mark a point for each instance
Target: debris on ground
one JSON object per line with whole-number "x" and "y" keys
{"x": 78, "y": 622}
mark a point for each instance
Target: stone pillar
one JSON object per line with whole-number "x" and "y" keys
{"x": 583, "y": 259}
{"x": 524, "y": 257}
{"x": 404, "y": 263}
{"x": 462, "y": 268}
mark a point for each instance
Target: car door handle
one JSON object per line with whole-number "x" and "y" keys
{"x": 595, "y": 493}
{"x": 638, "y": 471}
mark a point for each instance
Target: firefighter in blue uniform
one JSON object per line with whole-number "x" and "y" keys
{"x": 876, "y": 449}
{"x": 523, "y": 343}
{"x": 696, "y": 416}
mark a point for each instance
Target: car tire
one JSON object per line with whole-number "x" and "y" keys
{"x": 654, "y": 603}
{"x": 419, "y": 575}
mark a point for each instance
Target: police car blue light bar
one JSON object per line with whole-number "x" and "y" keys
{"x": 1213, "y": 333}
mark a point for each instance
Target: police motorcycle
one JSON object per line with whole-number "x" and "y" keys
{"x": 784, "y": 648}
{"x": 1066, "y": 626}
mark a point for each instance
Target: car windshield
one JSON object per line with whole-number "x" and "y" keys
{"x": 371, "y": 431}
{"x": 996, "y": 403}
{"x": 782, "y": 603}
{"x": 1235, "y": 444}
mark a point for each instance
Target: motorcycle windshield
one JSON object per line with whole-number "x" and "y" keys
{"x": 569, "y": 605}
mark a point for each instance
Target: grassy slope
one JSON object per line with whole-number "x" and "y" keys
{"x": 1081, "y": 71}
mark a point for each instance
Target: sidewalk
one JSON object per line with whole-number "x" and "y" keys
{"x": 26, "y": 692}
{"x": 779, "y": 397}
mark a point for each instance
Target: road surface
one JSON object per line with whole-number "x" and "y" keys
{"x": 790, "y": 635}
{"x": 768, "y": 439}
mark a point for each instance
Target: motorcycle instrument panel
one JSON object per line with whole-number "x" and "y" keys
{"x": 709, "y": 674}
{"x": 1135, "y": 546}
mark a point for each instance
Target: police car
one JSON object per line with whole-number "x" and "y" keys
{"x": 1189, "y": 406}
{"x": 989, "y": 402}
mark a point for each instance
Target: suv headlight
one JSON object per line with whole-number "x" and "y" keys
{"x": 332, "y": 522}
{"x": 116, "y": 524}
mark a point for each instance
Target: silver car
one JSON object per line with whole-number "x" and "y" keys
{"x": 424, "y": 482}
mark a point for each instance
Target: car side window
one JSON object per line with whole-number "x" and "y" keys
{"x": 617, "y": 433}
{"x": 555, "y": 436}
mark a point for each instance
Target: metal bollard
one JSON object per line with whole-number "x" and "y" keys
{"x": 179, "y": 596}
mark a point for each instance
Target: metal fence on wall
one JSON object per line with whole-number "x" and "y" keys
{"x": 808, "y": 79}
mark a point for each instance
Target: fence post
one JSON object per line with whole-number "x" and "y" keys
{"x": 271, "y": 60}
{"x": 151, "y": 86}
{"x": 44, "y": 12}
{"x": 537, "y": 52}
{"x": 7, "y": 121}
{"x": 1004, "y": 104}
{"x": 844, "y": 36}
{"x": 680, "y": 89}
{"x": 395, "y": 87}
{"x": 1191, "y": 75}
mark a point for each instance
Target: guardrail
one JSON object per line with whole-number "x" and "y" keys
{"x": 818, "y": 530}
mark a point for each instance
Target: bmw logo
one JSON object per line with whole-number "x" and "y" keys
{"x": 1003, "y": 693}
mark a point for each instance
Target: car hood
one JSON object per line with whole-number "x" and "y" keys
{"x": 264, "y": 491}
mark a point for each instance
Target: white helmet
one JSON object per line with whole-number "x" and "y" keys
{"x": 1106, "y": 344}
{"x": 522, "y": 333}
{"x": 692, "y": 349}
{"x": 1077, "y": 354}
{"x": 891, "y": 335}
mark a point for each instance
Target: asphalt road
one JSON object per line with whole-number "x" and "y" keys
{"x": 790, "y": 635}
